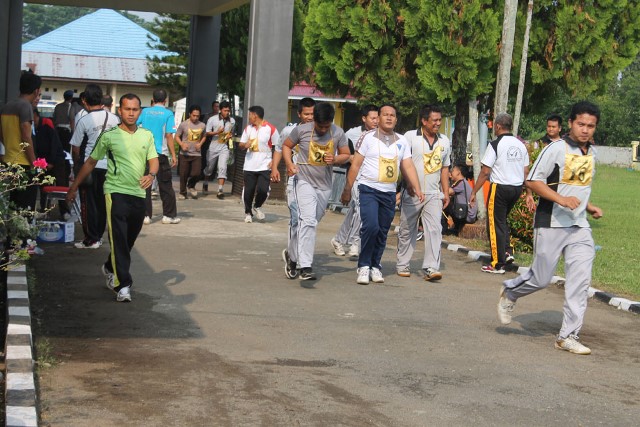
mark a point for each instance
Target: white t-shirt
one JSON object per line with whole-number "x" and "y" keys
{"x": 89, "y": 128}
{"x": 373, "y": 149}
{"x": 507, "y": 157}
{"x": 259, "y": 156}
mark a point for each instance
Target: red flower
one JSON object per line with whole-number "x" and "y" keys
{"x": 40, "y": 163}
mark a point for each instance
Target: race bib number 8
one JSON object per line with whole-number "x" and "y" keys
{"x": 388, "y": 170}
{"x": 432, "y": 161}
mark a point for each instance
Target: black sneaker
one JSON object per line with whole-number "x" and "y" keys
{"x": 307, "y": 274}
{"x": 509, "y": 258}
{"x": 290, "y": 267}
{"x": 220, "y": 194}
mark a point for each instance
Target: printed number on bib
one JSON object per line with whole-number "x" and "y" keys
{"x": 254, "y": 144}
{"x": 318, "y": 152}
{"x": 388, "y": 170}
{"x": 578, "y": 169}
{"x": 433, "y": 160}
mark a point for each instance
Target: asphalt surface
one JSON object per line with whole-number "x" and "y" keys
{"x": 216, "y": 335}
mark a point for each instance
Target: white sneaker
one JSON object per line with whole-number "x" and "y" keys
{"x": 248, "y": 219}
{"x": 109, "y": 277}
{"x": 505, "y": 307}
{"x": 338, "y": 249}
{"x": 169, "y": 220}
{"x": 259, "y": 213}
{"x": 363, "y": 276}
{"x": 354, "y": 250}
{"x": 124, "y": 295}
{"x": 193, "y": 193}
{"x": 376, "y": 275}
{"x": 182, "y": 197}
{"x": 572, "y": 345}
{"x": 83, "y": 245}
{"x": 431, "y": 274}
{"x": 147, "y": 220}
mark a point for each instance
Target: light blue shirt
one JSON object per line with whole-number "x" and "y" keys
{"x": 159, "y": 120}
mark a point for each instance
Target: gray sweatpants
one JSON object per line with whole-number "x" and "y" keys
{"x": 309, "y": 204}
{"x": 218, "y": 155}
{"x": 576, "y": 244}
{"x": 430, "y": 211}
{"x": 349, "y": 232}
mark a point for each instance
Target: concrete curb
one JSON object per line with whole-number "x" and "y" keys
{"x": 612, "y": 300}
{"x": 20, "y": 389}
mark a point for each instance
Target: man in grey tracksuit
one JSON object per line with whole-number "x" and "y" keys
{"x": 562, "y": 177}
{"x": 431, "y": 154}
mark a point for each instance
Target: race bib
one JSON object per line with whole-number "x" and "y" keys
{"x": 317, "y": 153}
{"x": 433, "y": 160}
{"x": 254, "y": 144}
{"x": 578, "y": 169}
{"x": 387, "y": 169}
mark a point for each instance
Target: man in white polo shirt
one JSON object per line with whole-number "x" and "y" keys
{"x": 258, "y": 138}
{"x": 505, "y": 164}
{"x": 431, "y": 155}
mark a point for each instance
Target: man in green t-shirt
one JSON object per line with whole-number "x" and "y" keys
{"x": 128, "y": 149}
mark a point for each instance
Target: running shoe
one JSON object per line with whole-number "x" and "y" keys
{"x": 146, "y": 220}
{"x": 259, "y": 213}
{"x": 354, "y": 250}
{"x": 109, "y": 277}
{"x": 248, "y": 219}
{"x": 338, "y": 249}
{"x": 169, "y": 220}
{"x": 124, "y": 295}
{"x": 572, "y": 345}
{"x": 363, "y": 276}
{"x": 376, "y": 275}
{"x": 505, "y": 307}
{"x": 182, "y": 196}
{"x": 306, "y": 273}
{"x": 220, "y": 195}
{"x": 490, "y": 269}
{"x": 193, "y": 193}
{"x": 404, "y": 272}
{"x": 86, "y": 244}
{"x": 509, "y": 258}
{"x": 431, "y": 274}
{"x": 290, "y": 267}
{"x": 420, "y": 235}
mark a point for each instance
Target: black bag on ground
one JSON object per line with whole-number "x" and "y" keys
{"x": 460, "y": 210}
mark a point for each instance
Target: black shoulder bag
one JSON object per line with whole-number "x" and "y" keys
{"x": 460, "y": 211}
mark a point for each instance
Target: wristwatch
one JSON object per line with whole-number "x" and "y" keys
{"x": 152, "y": 174}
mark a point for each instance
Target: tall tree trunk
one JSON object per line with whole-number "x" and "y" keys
{"x": 523, "y": 69}
{"x": 459, "y": 143}
{"x": 475, "y": 151}
{"x": 506, "y": 54}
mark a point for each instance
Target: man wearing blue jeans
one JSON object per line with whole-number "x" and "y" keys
{"x": 380, "y": 154}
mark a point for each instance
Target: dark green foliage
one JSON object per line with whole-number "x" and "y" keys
{"x": 39, "y": 19}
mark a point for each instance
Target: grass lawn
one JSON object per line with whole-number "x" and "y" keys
{"x": 617, "y": 266}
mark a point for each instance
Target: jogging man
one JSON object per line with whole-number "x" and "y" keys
{"x": 505, "y": 164}
{"x": 562, "y": 177}
{"x": 159, "y": 120}
{"x": 190, "y": 136}
{"x": 128, "y": 149}
{"x": 431, "y": 155}
{"x": 380, "y": 155}
{"x": 321, "y": 144}
{"x": 220, "y": 128}
{"x": 258, "y": 139}
{"x": 349, "y": 232}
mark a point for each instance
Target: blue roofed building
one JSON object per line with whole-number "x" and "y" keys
{"x": 103, "y": 47}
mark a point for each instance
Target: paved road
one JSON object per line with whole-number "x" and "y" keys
{"x": 216, "y": 335}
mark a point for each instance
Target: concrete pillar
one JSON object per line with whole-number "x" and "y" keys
{"x": 11, "y": 48}
{"x": 269, "y": 59}
{"x": 204, "y": 52}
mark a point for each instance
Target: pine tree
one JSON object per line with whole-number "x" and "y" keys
{"x": 359, "y": 48}
{"x": 457, "y": 56}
